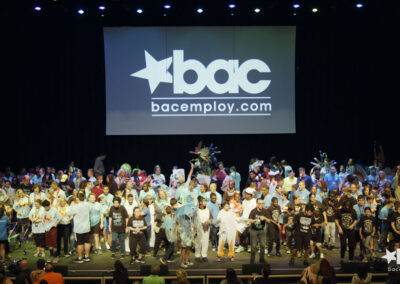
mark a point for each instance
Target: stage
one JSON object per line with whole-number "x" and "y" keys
{"x": 102, "y": 265}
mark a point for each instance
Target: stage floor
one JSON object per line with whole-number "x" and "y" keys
{"x": 103, "y": 264}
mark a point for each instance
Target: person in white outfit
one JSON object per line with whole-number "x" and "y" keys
{"x": 227, "y": 231}
{"x": 249, "y": 203}
{"x": 203, "y": 221}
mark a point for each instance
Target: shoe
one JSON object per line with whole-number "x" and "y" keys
{"x": 249, "y": 249}
{"x": 37, "y": 254}
{"x": 214, "y": 249}
{"x": 183, "y": 265}
{"x": 239, "y": 249}
{"x": 49, "y": 260}
{"x": 122, "y": 256}
{"x": 132, "y": 262}
{"x": 78, "y": 260}
{"x": 312, "y": 255}
{"x": 204, "y": 259}
{"x": 171, "y": 260}
{"x": 322, "y": 255}
{"x": 291, "y": 261}
{"x": 288, "y": 251}
{"x": 278, "y": 254}
{"x": 67, "y": 255}
{"x": 269, "y": 254}
{"x": 99, "y": 251}
{"x": 306, "y": 263}
{"x": 55, "y": 260}
{"x": 232, "y": 259}
{"x": 163, "y": 261}
{"x": 189, "y": 263}
{"x": 197, "y": 259}
{"x": 141, "y": 260}
{"x": 42, "y": 255}
{"x": 86, "y": 259}
{"x": 113, "y": 256}
{"x": 219, "y": 259}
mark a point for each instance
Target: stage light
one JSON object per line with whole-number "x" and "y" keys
{"x": 257, "y": 10}
{"x": 38, "y": 8}
{"x": 314, "y": 10}
{"x": 200, "y": 10}
{"x": 232, "y": 6}
{"x": 81, "y": 11}
{"x": 101, "y": 7}
{"x": 296, "y": 5}
{"x": 139, "y": 11}
{"x": 167, "y": 6}
{"x": 359, "y": 5}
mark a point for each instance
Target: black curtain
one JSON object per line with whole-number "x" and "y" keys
{"x": 53, "y": 97}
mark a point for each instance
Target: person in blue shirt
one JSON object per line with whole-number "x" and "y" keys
{"x": 383, "y": 216}
{"x": 4, "y": 223}
{"x": 360, "y": 210}
{"x": 302, "y": 192}
{"x": 304, "y": 177}
{"x": 170, "y": 233}
{"x": 235, "y": 176}
{"x": 267, "y": 196}
{"x": 372, "y": 178}
{"x": 214, "y": 208}
{"x": 332, "y": 179}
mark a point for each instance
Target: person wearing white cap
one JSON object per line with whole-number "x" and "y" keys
{"x": 248, "y": 204}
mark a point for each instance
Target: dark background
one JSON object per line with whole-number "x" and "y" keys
{"x": 53, "y": 93}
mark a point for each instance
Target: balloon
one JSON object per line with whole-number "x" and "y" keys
{"x": 126, "y": 166}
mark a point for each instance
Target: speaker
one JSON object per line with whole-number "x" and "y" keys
{"x": 63, "y": 269}
{"x": 353, "y": 267}
{"x": 145, "y": 270}
{"x": 380, "y": 265}
{"x": 248, "y": 269}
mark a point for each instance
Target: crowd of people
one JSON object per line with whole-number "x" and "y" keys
{"x": 275, "y": 211}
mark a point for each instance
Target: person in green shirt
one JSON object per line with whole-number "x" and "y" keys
{"x": 154, "y": 277}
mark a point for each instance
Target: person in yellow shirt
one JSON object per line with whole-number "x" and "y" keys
{"x": 289, "y": 181}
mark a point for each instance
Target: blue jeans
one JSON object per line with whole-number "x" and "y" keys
{"x": 121, "y": 237}
{"x": 214, "y": 236}
{"x": 170, "y": 251}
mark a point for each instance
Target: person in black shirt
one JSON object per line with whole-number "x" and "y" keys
{"x": 303, "y": 222}
{"x": 347, "y": 197}
{"x": 316, "y": 232}
{"x": 366, "y": 232}
{"x": 136, "y": 227}
{"x": 330, "y": 205}
{"x": 346, "y": 220}
{"x": 257, "y": 219}
{"x": 273, "y": 214}
{"x": 288, "y": 227}
{"x": 395, "y": 224}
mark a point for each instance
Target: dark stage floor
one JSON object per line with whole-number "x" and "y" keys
{"x": 103, "y": 264}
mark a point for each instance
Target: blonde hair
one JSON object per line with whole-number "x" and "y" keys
{"x": 17, "y": 198}
{"x": 181, "y": 275}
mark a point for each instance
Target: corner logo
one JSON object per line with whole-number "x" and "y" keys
{"x": 389, "y": 256}
{"x": 156, "y": 72}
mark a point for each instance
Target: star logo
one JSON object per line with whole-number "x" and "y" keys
{"x": 155, "y": 71}
{"x": 389, "y": 256}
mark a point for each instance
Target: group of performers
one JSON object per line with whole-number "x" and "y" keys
{"x": 136, "y": 213}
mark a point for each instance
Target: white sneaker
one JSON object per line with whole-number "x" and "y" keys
{"x": 37, "y": 254}
{"x": 214, "y": 249}
{"x": 288, "y": 251}
{"x": 322, "y": 255}
{"x": 249, "y": 249}
{"x": 239, "y": 249}
{"x": 107, "y": 246}
{"x": 312, "y": 255}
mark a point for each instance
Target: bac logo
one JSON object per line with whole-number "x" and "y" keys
{"x": 156, "y": 72}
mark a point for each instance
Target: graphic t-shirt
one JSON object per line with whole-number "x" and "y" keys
{"x": 303, "y": 223}
{"x": 396, "y": 220}
{"x": 367, "y": 225}
{"x": 289, "y": 219}
{"x": 137, "y": 223}
{"x": 330, "y": 209}
{"x": 346, "y": 219}
{"x": 273, "y": 213}
{"x": 318, "y": 219}
{"x": 118, "y": 215}
{"x": 256, "y": 215}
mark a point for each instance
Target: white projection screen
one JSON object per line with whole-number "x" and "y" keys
{"x": 200, "y": 80}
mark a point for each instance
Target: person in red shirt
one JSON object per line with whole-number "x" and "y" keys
{"x": 51, "y": 277}
{"x": 98, "y": 186}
